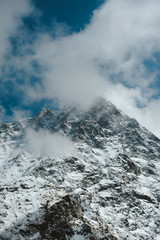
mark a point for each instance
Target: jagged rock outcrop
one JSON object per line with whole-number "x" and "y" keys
{"x": 107, "y": 189}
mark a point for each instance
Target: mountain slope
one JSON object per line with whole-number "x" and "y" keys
{"x": 108, "y": 188}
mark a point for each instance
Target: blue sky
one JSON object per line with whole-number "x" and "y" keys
{"x": 54, "y": 53}
{"x": 75, "y": 14}
{"x": 71, "y": 15}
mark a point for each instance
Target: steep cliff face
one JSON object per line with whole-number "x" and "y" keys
{"x": 107, "y": 188}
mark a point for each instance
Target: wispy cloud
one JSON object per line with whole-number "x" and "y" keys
{"x": 2, "y": 113}
{"x": 43, "y": 143}
{"x": 121, "y": 35}
{"x": 10, "y": 20}
{"x": 107, "y": 58}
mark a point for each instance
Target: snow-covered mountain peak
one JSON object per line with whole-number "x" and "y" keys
{"x": 107, "y": 188}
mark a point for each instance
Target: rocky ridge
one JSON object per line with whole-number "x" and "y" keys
{"x": 108, "y": 189}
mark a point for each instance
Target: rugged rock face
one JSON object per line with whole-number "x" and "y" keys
{"x": 108, "y": 189}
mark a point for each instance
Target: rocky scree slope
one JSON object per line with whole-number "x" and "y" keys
{"x": 108, "y": 189}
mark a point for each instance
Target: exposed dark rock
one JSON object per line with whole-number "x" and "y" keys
{"x": 144, "y": 197}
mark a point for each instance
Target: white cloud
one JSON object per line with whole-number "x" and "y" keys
{"x": 120, "y": 36}
{"x": 150, "y": 115}
{"x": 126, "y": 99}
{"x": 11, "y": 13}
{"x": 51, "y": 145}
{"x": 17, "y": 114}
{"x": 2, "y": 113}
{"x": 105, "y": 59}
{"x": 20, "y": 114}
{"x": 101, "y": 60}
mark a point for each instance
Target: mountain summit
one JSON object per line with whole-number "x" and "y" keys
{"x": 95, "y": 175}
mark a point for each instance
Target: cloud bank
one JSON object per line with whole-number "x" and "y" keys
{"x": 43, "y": 143}
{"x": 121, "y": 35}
{"x": 108, "y": 58}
